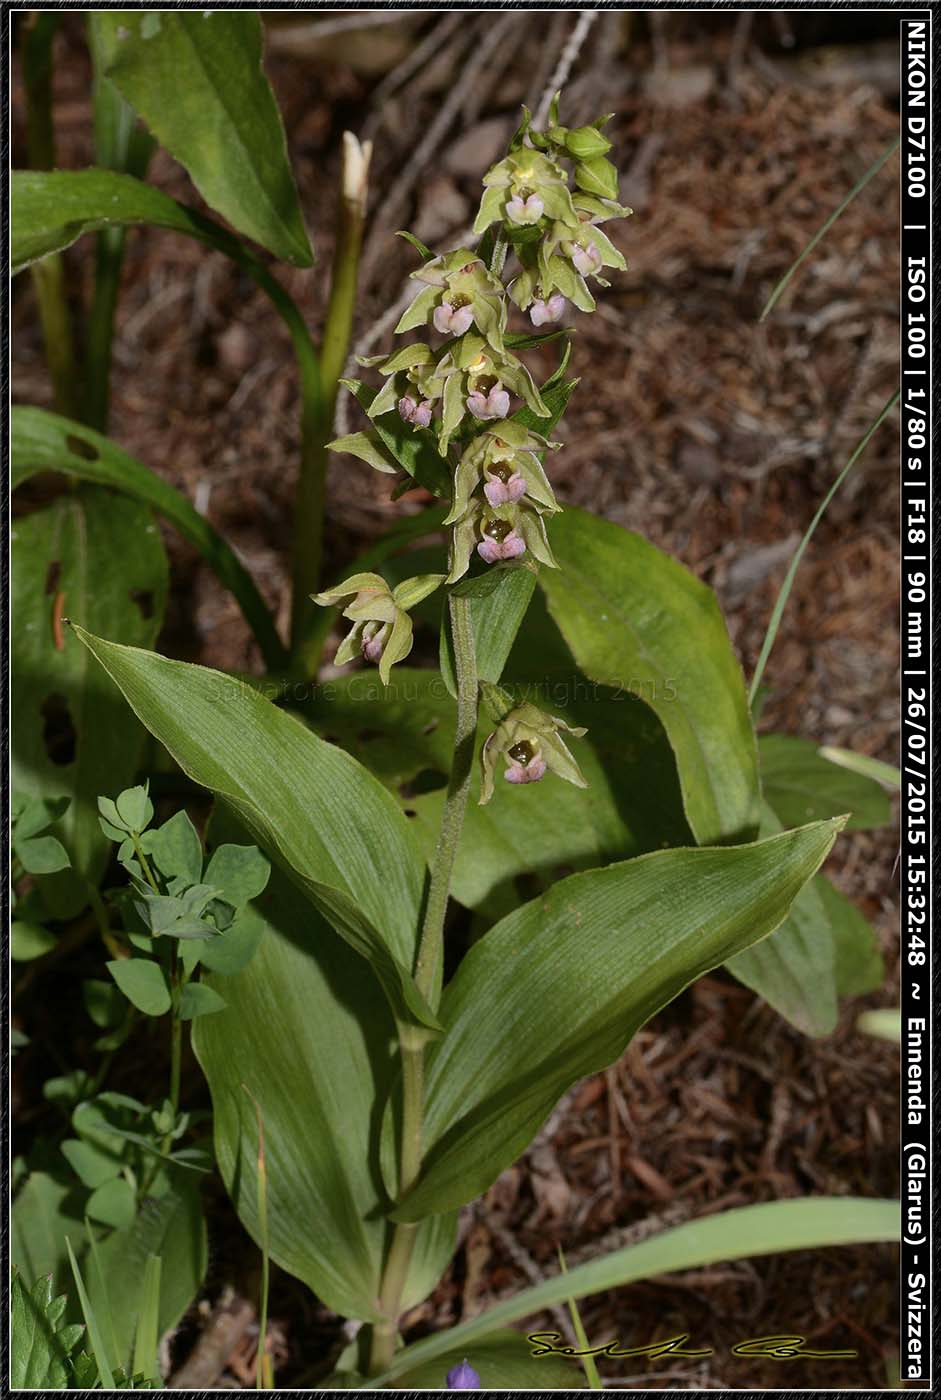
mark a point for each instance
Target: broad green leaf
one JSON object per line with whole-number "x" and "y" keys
{"x": 234, "y": 948}
{"x": 592, "y": 958}
{"x": 858, "y": 961}
{"x": 170, "y": 1226}
{"x": 134, "y": 808}
{"x": 39, "y": 1344}
{"x": 504, "y": 1361}
{"x": 332, "y": 826}
{"x": 29, "y": 940}
{"x": 113, "y": 1203}
{"x": 45, "y": 1210}
{"x": 527, "y": 836}
{"x": 774, "y": 1227}
{"x": 177, "y": 849}
{"x": 41, "y": 441}
{"x": 795, "y": 969}
{"x": 496, "y": 619}
{"x": 41, "y": 855}
{"x": 240, "y": 872}
{"x": 143, "y": 982}
{"x": 802, "y": 786}
{"x": 96, "y": 557}
{"x": 312, "y": 1039}
{"x": 196, "y": 78}
{"x": 50, "y": 209}
{"x": 92, "y": 1164}
{"x": 635, "y": 619}
{"x": 199, "y": 1000}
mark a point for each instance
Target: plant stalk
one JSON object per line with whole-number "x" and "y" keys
{"x": 429, "y": 967}
{"x": 48, "y": 276}
{"x": 317, "y": 415}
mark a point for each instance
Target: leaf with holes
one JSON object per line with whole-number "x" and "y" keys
{"x": 44, "y": 442}
{"x": 196, "y": 78}
{"x": 50, "y": 209}
{"x": 98, "y": 558}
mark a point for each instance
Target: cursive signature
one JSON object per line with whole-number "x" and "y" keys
{"x": 785, "y": 1347}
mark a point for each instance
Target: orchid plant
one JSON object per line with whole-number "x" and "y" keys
{"x": 486, "y": 873}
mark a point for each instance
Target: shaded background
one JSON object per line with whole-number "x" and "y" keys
{"x": 713, "y": 435}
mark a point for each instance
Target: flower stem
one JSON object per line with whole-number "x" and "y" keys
{"x": 429, "y": 964}
{"x": 317, "y": 425}
{"x": 428, "y": 976}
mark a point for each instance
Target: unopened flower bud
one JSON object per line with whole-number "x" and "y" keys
{"x": 462, "y": 1377}
{"x": 414, "y": 412}
{"x": 541, "y": 313}
{"x": 494, "y": 403}
{"x": 525, "y": 211}
{"x": 586, "y": 142}
{"x": 453, "y": 319}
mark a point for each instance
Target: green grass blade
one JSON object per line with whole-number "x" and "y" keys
{"x": 863, "y": 765}
{"x": 860, "y": 185}
{"x": 788, "y": 583}
{"x": 91, "y": 1322}
{"x": 773, "y": 1227}
{"x": 885, "y": 1023}
{"x": 95, "y": 1255}
{"x": 147, "y": 1337}
{"x": 588, "y": 1361}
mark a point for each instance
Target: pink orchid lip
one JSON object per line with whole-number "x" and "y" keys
{"x": 586, "y": 260}
{"x": 510, "y": 547}
{"x": 453, "y": 320}
{"x": 418, "y": 414}
{"x": 525, "y": 211}
{"x": 541, "y": 313}
{"x": 500, "y": 493}
{"x": 531, "y": 772}
{"x": 374, "y": 645}
{"x": 495, "y": 404}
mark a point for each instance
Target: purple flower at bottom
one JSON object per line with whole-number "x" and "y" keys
{"x": 418, "y": 414}
{"x": 462, "y": 1377}
{"x": 511, "y": 546}
{"x": 543, "y": 312}
{"x": 494, "y": 404}
{"x": 501, "y": 493}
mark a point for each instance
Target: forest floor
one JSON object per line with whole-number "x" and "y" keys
{"x": 714, "y": 435}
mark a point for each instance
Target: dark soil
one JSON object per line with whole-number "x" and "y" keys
{"x": 711, "y": 433}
